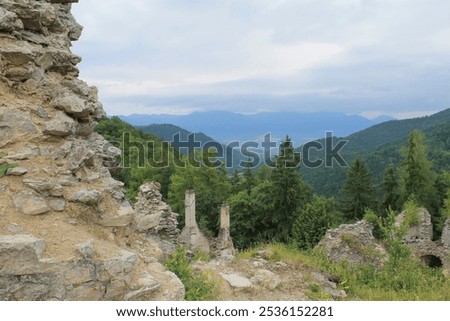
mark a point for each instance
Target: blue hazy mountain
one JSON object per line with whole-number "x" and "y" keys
{"x": 228, "y": 126}
{"x": 168, "y": 132}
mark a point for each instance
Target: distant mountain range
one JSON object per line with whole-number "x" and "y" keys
{"x": 167, "y": 133}
{"x": 226, "y": 126}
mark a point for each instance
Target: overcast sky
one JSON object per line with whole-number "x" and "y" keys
{"x": 366, "y": 57}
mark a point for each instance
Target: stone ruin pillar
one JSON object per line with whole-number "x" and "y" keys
{"x": 191, "y": 236}
{"x": 224, "y": 247}
{"x": 189, "y": 205}
{"x": 225, "y": 217}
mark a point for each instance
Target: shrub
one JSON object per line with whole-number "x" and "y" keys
{"x": 198, "y": 286}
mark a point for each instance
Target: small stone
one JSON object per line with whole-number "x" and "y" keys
{"x": 45, "y": 187}
{"x": 123, "y": 217}
{"x": 147, "y": 285}
{"x": 236, "y": 281}
{"x": 62, "y": 125}
{"x": 31, "y": 203}
{"x": 87, "y": 197}
{"x": 9, "y": 21}
{"x": 17, "y": 171}
{"x": 28, "y": 240}
{"x": 15, "y": 228}
{"x": 41, "y": 112}
{"x": 86, "y": 249}
{"x": 280, "y": 264}
{"x": 71, "y": 104}
{"x": 57, "y": 204}
{"x": 266, "y": 279}
{"x": 24, "y": 155}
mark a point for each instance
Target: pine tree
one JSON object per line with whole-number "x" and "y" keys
{"x": 391, "y": 190}
{"x": 358, "y": 191}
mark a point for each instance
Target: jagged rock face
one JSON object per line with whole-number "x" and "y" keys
{"x": 47, "y": 115}
{"x": 155, "y": 218}
{"x": 353, "y": 243}
{"x": 59, "y": 191}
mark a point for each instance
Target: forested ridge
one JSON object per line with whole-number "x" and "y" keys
{"x": 380, "y": 146}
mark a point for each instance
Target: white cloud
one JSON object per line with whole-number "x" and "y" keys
{"x": 390, "y": 54}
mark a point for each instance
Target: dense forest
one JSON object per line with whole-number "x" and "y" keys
{"x": 291, "y": 204}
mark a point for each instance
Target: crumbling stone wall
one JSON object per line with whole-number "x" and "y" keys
{"x": 420, "y": 237}
{"x": 355, "y": 243}
{"x": 65, "y": 225}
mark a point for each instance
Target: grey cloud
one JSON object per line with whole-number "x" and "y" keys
{"x": 391, "y": 56}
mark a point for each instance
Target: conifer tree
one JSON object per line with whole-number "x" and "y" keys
{"x": 391, "y": 190}
{"x": 312, "y": 222}
{"x": 417, "y": 176}
{"x": 235, "y": 181}
{"x": 358, "y": 191}
{"x": 289, "y": 191}
{"x": 249, "y": 181}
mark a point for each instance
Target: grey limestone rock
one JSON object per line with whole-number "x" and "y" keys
{"x": 29, "y": 202}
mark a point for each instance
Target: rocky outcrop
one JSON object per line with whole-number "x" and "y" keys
{"x": 25, "y": 275}
{"x": 353, "y": 243}
{"x": 66, "y": 228}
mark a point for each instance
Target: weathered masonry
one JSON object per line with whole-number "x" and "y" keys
{"x": 192, "y": 237}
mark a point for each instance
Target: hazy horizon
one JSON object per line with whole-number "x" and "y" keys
{"x": 368, "y": 115}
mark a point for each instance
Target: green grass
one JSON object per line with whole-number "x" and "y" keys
{"x": 402, "y": 278}
{"x": 4, "y": 168}
{"x": 198, "y": 287}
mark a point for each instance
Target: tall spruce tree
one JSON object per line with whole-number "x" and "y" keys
{"x": 358, "y": 191}
{"x": 289, "y": 191}
{"x": 391, "y": 190}
{"x": 417, "y": 176}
